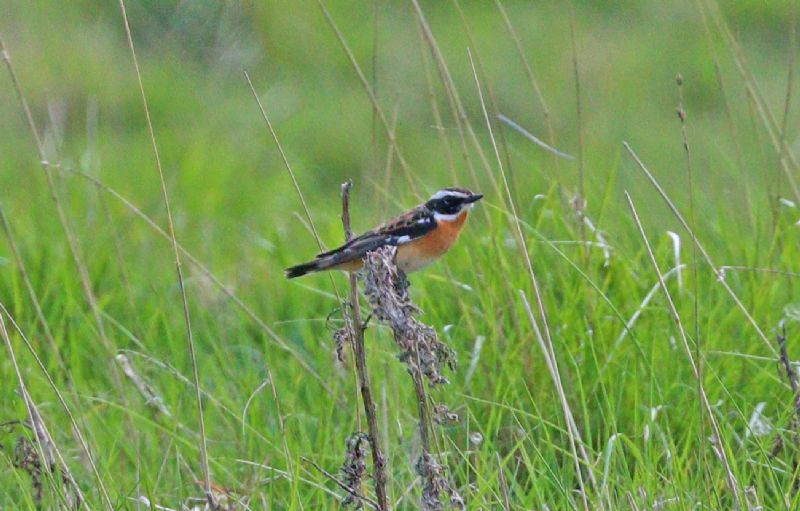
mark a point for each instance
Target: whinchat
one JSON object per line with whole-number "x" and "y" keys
{"x": 421, "y": 235}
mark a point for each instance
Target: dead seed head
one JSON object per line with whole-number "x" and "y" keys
{"x": 386, "y": 289}
{"x": 354, "y": 467}
{"x": 27, "y": 459}
{"x": 341, "y": 338}
{"x": 434, "y": 483}
{"x": 578, "y": 204}
{"x": 443, "y": 415}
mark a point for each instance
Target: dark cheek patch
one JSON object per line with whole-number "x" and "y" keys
{"x": 452, "y": 209}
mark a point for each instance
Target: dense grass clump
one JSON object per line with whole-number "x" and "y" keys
{"x": 622, "y": 306}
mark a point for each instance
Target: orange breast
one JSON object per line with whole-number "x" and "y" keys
{"x": 424, "y": 251}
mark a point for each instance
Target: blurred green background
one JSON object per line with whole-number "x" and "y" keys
{"x": 236, "y": 210}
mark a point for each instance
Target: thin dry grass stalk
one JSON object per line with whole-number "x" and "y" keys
{"x": 782, "y": 148}
{"x": 356, "y": 334}
{"x": 733, "y": 483}
{"x": 178, "y": 266}
{"x": 368, "y": 89}
{"x": 703, "y": 252}
{"x": 150, "y": 397}
{"x": 576, "y": 444}
{"x": 531, "y": 78}
{"x": 465, "y": 129}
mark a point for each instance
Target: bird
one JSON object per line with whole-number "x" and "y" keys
{"x": 422, "y": 235}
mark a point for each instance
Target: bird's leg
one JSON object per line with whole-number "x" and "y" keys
{"x": 402, "y": 284}
{"x": 365, "y": 324}
{"x": 330, "y": 315}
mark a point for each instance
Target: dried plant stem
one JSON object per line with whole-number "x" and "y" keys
{"x": 306, "y": 210}
{"x": 695, "y": 267}
{"x": 552, "y": 366}
{"x": 717, "y": 271}
{"x": 425, "y": 425}
{"x": 281, "y": 422}
{"x": 178, "y": 267}
{"x": 437, "y": 115}
{"x": 772, "y": 271}
{"x": 503, "y": 485}
{"x": 492, "y": 97}
{"x": 389, "y": 161}
{"x": 791, "y": 375}
{"x": 120, "y": 253}
{"x": 733, "y": 484}
{"x": 286, "y": 164}
{"x": 581, "y": 199}
{"x": 83, "y": 274}
{"x": 357, "y": 335}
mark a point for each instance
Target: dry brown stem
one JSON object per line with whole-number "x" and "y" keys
{"x": 357, "y": 335}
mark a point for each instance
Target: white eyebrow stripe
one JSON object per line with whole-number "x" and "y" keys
{"x": 448, "y": 193}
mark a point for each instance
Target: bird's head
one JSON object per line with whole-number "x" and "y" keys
{"x": 449, "y": 203}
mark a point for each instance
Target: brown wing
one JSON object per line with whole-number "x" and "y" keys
{"x": 397, "y": 231}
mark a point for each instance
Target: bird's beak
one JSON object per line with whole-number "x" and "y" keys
{"x": 473, "y": 198}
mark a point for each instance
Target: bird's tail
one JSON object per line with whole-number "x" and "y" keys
{"x": 324, "y": 261}
{"x": 343, "y": 258}
{"x": 302, "y": 269}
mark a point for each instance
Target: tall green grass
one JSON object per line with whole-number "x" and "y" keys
{"x": 598, "y": 342}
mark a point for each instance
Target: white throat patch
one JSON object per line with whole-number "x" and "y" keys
{"x": 441, "y": 217}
